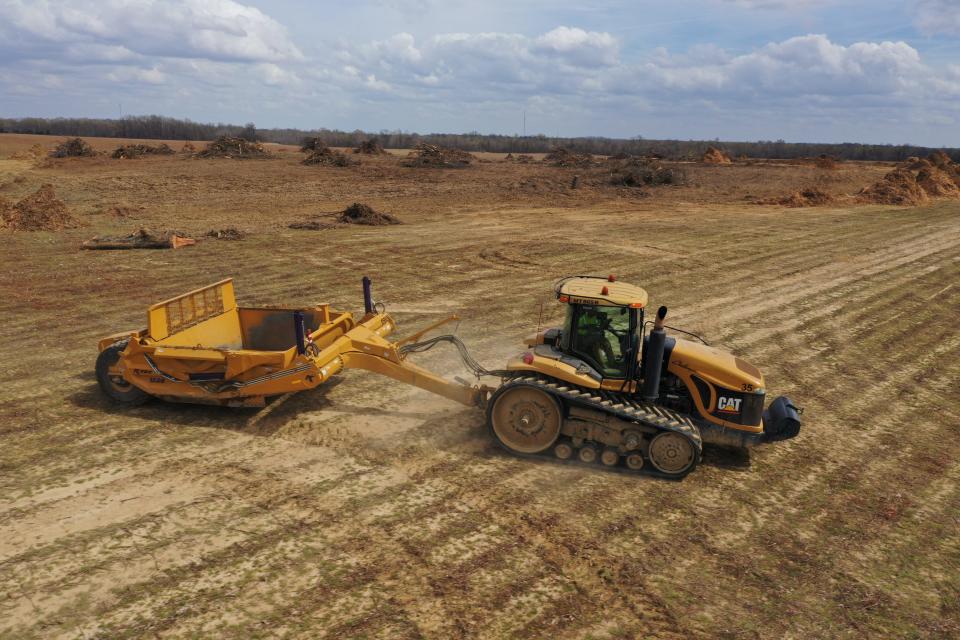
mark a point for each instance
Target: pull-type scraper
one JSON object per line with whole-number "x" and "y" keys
{"x": 597, "y": 388}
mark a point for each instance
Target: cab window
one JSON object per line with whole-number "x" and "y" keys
{"x": 600, "y": 335}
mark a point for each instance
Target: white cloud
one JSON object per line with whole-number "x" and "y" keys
{"x": 210, "y": 29}
{"x": 776, "y": 4}
{"x": 938, "y": 17}
{"x": 584, "y": 48}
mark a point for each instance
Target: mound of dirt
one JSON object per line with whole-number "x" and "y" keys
{"x": 362, "y": 214}
{"x": 73, "y": 148}
{"x": 897, "y": 187}
{"x": 314, "y": 224}
{"x": 715, "y": 156}
{"x": 326, "y": 157}
{"x": 230, "y": 147}
{"x": 188, "y": 148}
{"x": 523, "y": 158}
{"x": 33, "y": 153}
{"x": 124, "y": 211}
{"x": 823, "y": 161}
{"x": 939, "y": 159}
{"x": 230, "y": 233}
{"x": 937, "y": 182}
{"x": 129, "y": 151}
{"x": 642, "y": 172}
{"x": 430, "y": 155}
{"x": 370, "y": 148}
{"x": 561, "y": 157}
{"x": 40, "y": 211}
{"x": 803, "y": 198}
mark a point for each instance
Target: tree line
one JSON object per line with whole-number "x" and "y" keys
{"x": 164, "y": 128}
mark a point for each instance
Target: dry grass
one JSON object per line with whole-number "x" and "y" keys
{"x": 369, "y": 509}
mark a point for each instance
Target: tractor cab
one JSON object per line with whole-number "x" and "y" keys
{"x": 602, "y": 324}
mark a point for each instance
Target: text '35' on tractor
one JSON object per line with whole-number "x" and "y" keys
{"x": 596, "y": 389}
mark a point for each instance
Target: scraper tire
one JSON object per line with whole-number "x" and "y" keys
{"x": 112, "y": 384}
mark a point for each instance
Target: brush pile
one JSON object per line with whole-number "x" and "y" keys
{"x": 40, "y": 211}
{"x": 326, "y": 157}
{"x": 370, "y": 148}
{"x": 938, "y": 182}
{"x": 140, "y": 239}
{"x": 358, "y": 213}
{"x": 715, "y": 156}
{"x": 823, "y": 161}
{"x": 644, "y": 172}
{"x": 188, "y": 148}
{"x": 561, "y": 157}
{"x": 73, "y": 148}
{"x": 803, "y": 198}
{"x": 231, "y": 147}
{"x": 230, "y": 233}
{"x": 899, "y": 187}
{"x": 130, "y": 151}
{"x": 430, "y": 155}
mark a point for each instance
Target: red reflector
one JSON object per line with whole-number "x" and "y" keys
{"x": 605, "y": 291}
{"x": 564, "y": 298}
{"x": 528, "y": 358}
{"x": 611, "y": 278}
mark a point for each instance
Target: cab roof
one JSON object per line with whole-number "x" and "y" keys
{"x": 600, "y": 291}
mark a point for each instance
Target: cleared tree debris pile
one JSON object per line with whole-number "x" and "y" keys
{"x": 73, "y": 148}
{"x": 715, "y": 156}
{"x": 560, "y": 157}
{"x": 897, "y": 187}
{"x": 823, "y": 161}
{"x": 140, "y": 239}
{"x": 915, "y": 164}
{"x": 803, "y": 198}
{"x": 230, "y": 147}
{"x": 40, "y": 211}
{"x": 939, "y": 159}
{"x": 230, "y": 233}
{"x": 523, "y": 158}
{"x": 430, "y": 155}
{"x": 370, "y": 148}
{"x": 358, "y": 213}
{"x": 642, "y": 172}
{"x": 129, "y": 151}
{"x": 326, "y": 157}
{"x": 188, "y": 148}
{"x": 937, "y": 182}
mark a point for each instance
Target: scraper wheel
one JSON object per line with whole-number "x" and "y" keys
{"x": 111, "y": 382}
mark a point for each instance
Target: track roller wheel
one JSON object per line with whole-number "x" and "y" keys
{"x": 634, "y": 461}
{"x": 610, "y": 457}
{"x": 588, "y": 454}
{"x": 563, "y": 451}
{"x": 672, "y": 453}
{"x": 525, "y": 420}
{"x": 112, "y": 382}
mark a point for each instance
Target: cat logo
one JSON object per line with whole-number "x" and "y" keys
{"x": 728, "y": 405}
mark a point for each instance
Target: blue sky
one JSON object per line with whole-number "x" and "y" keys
{"x": 801, "y": 70}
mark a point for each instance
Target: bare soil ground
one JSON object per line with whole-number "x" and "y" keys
{"x": 369, "y": 509}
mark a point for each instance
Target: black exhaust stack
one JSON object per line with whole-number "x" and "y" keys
{"x": 654, "y": 359}
{"x": 367, "y": 296}
{"x": 300, "y": 331}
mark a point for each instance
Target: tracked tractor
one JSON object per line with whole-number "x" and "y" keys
{"x": 597, "y": 389}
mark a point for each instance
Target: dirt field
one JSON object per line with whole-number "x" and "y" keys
{"x": 372, "y": 510}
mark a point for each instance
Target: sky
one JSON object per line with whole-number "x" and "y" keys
{"x": 800, "y": 70}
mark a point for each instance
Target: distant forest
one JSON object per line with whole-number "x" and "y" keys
{"x": 163, "y": 128}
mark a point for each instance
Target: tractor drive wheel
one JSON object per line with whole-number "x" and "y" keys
{"x": 525, "y": 419}
{"x": 111, "y": 382}
{"x": 672, "y": 453}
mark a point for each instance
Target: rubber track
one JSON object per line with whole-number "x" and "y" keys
{"x": 617, "y": 404}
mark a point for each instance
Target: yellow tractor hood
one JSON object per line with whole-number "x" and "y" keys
{"x": 714, "y": 365}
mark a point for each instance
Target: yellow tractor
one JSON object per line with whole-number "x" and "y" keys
{"x": 596, "y": 389}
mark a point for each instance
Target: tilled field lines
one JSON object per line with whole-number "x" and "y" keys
{"x": 367, "y": 509}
